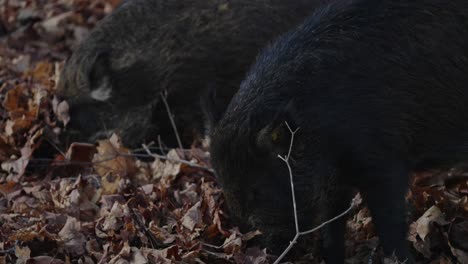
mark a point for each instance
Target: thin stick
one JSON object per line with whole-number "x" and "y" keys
{"x": 353, "y": 204}
{"x": 286, "y": 251}
{"x": 171, "y": 118}
{"x": 55, "y": 146}
{"x": 150, "y": 154}
{"x": 132, "y": 155}
{"x": 161, "y": 145}
{"x": 285, "y": 158}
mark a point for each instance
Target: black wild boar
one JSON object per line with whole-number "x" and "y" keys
{"x": 114, "y": 79}
{"x": 379, "y": 88}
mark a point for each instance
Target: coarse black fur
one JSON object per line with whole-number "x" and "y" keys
{"x": 184, "y": 47}
{"x": 378, "y": 89}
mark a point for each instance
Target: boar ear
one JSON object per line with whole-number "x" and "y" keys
{"x": 276, "y": 136}
{"x": 100, "y": 77}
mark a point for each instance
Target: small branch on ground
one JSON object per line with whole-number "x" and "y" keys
{"x": 149, "y": 154}
{"x": 171, "y": 118}
{"x": 299, "y": 233}
{"x": 161, "y": 145}
{"x": 189, "y": 163}
{"x": 55, "y": 146}
{"x": 154, "y": 242}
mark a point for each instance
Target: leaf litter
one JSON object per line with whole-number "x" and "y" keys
{"x": 98, "y": 204}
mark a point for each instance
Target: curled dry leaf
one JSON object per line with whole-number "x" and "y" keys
{"x": 43, "y": 73}
{"x": 80, "y": 152}
{"x": 23, "y": 254}
{"x": 52, "y": 25}
{"x": 188, "y": 195}
{"x": 123, "y": 256}
{"x": 193, "y": 217}
{"x": 165, "y": 255}
{"x": 15, "y": 99}
{"x": 162, "y": 234}
{"x": 166, "y": 170}
{"x": 62, "y": 112}
{"x": 22, "y": 63}
{"x": 433, "y": 214}
{"x": 17, "y": 167}
{"x": 458, "y": 240}
{"x": 112, "y": 162}
{"x": 72, "y": 237}
{"x": 253, "y": 255}
{"x": 113, "y": 221}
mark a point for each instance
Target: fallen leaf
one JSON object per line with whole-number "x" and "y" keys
{"x": 22, "y": 253}
{"x": 193, "y": 217}
{"x": 433, "y": 214}
{"x": 73, "y": 238}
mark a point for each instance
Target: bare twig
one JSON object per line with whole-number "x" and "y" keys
{"x": 171, "y": 118}
{"x": 161, "y": 145}
{"x": 354, "y": 202}
{"x": 218, "y": 247}
{"x": 285, "y": 158}
{"x": 152, "y": 239}
{"x": 112, "y": 157}
{"x": 189, "y": 163}
{"x": 55, "y": 146}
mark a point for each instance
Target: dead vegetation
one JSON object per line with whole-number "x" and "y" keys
{"x": 101, "y": 204}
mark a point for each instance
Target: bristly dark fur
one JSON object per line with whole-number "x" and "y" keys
{"x": 379, "y": 88}
{"x": 183, "y": 47}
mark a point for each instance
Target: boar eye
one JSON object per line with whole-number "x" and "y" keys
{"x": 275, "y": 136}
{"x": 273, "y": 139}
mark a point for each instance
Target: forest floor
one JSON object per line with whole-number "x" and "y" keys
{"x": 97, "y": 203}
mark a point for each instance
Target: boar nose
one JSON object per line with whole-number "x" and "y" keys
{"x": 85, "y": 114}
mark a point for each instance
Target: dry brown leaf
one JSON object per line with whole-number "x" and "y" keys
{"x": 52, "y": 25}
{"x": 112, "y": 164}
{"x": 161, "y": 234}
{"x": 23, "y": 254}
{"x": 137, "y": 256}
{"x": 113, "y": 221}
{"x": 193, "y": 217}
{"x": 433, "y": 214}
{"x": 250, "y": 235}
{"x": 122, "y": 256}
{"x": 15, "y": 99}
{"x": 253, "y": 255}
{"x": 458, "y": 241}
{"x": 161, "y": 255}
{"x": 18, "y": 125}
{"x": 166, "y": 170}
{"x": 462, "y": 256}
{"x": 9, "y": 187}
{"x": 72, "y": 237}
{"x": 80, "y": 152}
{"x": 18, "y": 167}
{"x": 22, "y": 63}
{"x": 63, "y": 113}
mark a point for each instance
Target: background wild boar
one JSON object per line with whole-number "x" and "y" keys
{"x": 114, "y": 79}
